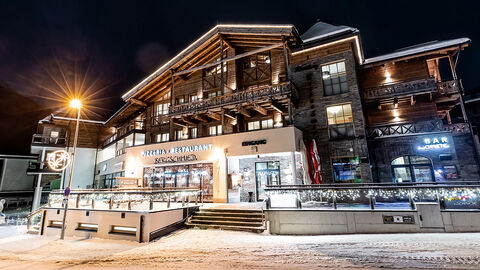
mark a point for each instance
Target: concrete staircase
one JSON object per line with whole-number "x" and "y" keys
{"x": 228, "y": 219}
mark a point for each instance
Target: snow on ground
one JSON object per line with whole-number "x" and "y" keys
{"x": 216, "y": 249}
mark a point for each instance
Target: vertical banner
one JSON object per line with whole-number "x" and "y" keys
{"x": 316, "y": 162}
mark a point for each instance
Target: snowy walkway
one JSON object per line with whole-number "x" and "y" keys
{"x": 214, "y": 249}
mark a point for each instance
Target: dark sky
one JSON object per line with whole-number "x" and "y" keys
{"x": 115, "y": 44}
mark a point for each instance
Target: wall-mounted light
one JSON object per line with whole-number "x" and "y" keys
{"x": 388, "y": 77}
{"x": 396, "y": 116}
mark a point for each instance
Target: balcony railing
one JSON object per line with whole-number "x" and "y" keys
{"x": 402, "y": 88}
{"x": 121, "y": 131}
{"x": 448, "y": 87}
{"x": 41, "y": 139}
{"x": 457, "y": 128}
{"x": 255, "y": 94}
{"x": 406, "y": 128}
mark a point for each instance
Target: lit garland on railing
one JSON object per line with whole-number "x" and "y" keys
{"x": 352, "y": 194}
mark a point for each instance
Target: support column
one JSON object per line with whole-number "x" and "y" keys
{"x": 294, "y": 168}
{"x": 222, "y": 84}
{"x": 37, "y": 196}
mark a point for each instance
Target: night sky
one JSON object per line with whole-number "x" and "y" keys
{"x": 112, "y": 45}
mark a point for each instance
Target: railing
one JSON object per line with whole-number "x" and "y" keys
{"x": 406, "y": 128}
{"x": 402, "y": 88}
{"x": 121, "y": 131}
{"x": 160, "y": 119}
{"x": 127, "y": 199}
{"x": 34, "y": 219}
{"x": 260, "y": 93}
{"x": 457, "y": 128}
{"x": 49, "y": 140}
{"x": 450, "y": 195}
{"x": 448, "y": 87}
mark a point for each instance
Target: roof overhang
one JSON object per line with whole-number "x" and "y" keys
{"x": 419, "y": 50}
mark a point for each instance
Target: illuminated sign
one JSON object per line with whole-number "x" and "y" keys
{"x": 177, "y": 150}
{"x": 434, "y": 144}
{"x": 175, "y": 159}
{"x": 250, "y": 143}
{"x": 58, "y": 160}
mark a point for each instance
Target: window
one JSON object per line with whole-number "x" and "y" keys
{"x": 139, "y": 138}
{"x": 216, "y": 69}
{"x": 180, "y": 100}
{"x": 254, "y": 125}
{"x": 346, "y": 169}
{"x": 179, "y": 134}
{"x": 164, "y": 137}
{"x": 334, "y": 79}
{"x": 120, "y": 147}
{"x": 193, "y": 133}
{"x": 412, "y": 169}
{"x": 214, "y": 94}
{"x": 340, "y": 121}
{"x": 267, "y": 123}
{"x": 161, "y": 109}
{"x": 215, "y": 130}
{"x": 193, "y": 98}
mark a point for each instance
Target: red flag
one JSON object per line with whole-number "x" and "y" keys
{"x": 309, "y": 162}
{"x": 317, "y": 170}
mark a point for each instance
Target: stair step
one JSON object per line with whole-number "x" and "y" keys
{"x": 227, "y": 222}
{"x": 232, "y": 218}
{"x": 231, "y": 210}
{"x": 229, "y": 214}
{"x": 227, "y": 227}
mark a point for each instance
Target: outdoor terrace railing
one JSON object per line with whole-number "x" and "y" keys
{"x": 41, "y": 139}
{"x": 126, "y": 199}
{"x": 406, "y": 128}
{"x": 450, "y": 195}
{"x": 457, "y": 128}
{"x": 448, "y": 87}
{"x": 254, "y": 94}
{"x": 131, "y": 125}
{"x": 402, "y": 88}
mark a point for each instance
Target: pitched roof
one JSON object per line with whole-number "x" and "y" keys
{"x": 320, "y": 31}
{"x": 418, "y": 49}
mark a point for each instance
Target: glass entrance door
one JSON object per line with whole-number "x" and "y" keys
{"x": 266, "y": 173}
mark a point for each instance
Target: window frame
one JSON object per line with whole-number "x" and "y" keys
{"x": 331, "y": 78}
{"x": 346, "y": 125}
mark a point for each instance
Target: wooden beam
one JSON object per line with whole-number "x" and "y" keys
{"x": 188, "y": 121}
{"x": 214, "y": 115}
{"x": 238, "y": 56}
{"x": 412, "y": 101}
{"x": 259, "y": 109}
{"x": 138, "y": 102}
{"x": 178, "y": 123}
{"x": 243, "y": 111}
{"x": 200, "y": 118}
{"x": 228, "y": 114}
{"x": 277, "y": 106}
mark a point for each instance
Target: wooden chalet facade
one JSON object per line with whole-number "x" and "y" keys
{"x": 233, "y": 112}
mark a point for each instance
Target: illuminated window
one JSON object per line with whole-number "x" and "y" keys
{"x": 193, "y": 133}
{"x": 164, "y": 137}
{"x": 412, "y": 169}
{"x": 347, "y": 169}
{"x": 193, "y": 98}
{"x": 267, "y": 123}
{"x": 179, "y": 134}
{"x": 215, "y": 130}
{"x": 340, "y": 121}
{"x": 214, "y": 94}
{"x": 160, "y": 110}
{"x": 254, "y": 125}
{"x": 334, "y": 79}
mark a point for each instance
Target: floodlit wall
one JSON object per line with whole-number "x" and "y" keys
{"x": 13, "y": 175}
{"x": 84, "y": 169}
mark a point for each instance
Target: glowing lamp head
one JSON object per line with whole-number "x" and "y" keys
{"x": 75, "y": 103}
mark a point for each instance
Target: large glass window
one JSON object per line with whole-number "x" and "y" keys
{"x": 139, "y": 138}
{"x": 340, "y": 121}
{"x": 347, "y": 169}
{"x": 164, "y": 137}
{"x": 161, "y": 109}
{"x": 266, "y": 173}
{"x": 334, "y": 79}
{"x": 412, "y": 169}
{"x": 193, "y": 133}
{"x": 215, "y": 130}
{"x": 260, "y": 124}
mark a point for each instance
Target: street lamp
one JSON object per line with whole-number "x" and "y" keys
{"x": 76, "y": 104}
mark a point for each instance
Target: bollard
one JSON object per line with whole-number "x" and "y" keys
{"x": 129, "y": 204}
{"x": 110, "y": 205}
{"x": 77, "y": 203}
{"x": 168, "y": 202}
{"x": 372, "y": 202}
{"x": 93, "y": 203}
{"x": 334, "y": 202}
{"x": 151, "y": 204}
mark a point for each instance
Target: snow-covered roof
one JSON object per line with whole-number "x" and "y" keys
{"x": 321, "y": 30}
{"x": 418, "y": 49}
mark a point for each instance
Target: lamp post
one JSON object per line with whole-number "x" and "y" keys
{"x": 76, "y": 104}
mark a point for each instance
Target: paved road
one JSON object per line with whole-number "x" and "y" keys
{"x": 215, "y": 249}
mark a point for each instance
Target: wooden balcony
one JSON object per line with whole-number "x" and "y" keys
{"x": 402, "y": 129}
{"x": 410, "y": 88}
{"x": 266, "y": 92}
{"x": 457, "y": 128}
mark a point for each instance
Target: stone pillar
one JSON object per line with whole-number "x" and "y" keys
{"x": 294, "y": 168}
{"x": 37, "y": 196}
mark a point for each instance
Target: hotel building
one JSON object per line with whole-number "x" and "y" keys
{"x": 233, "y": 111}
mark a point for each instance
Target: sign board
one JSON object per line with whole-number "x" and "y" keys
{"x": 58, "y": 160}
{"x": 127, "y": 182}
{"x": 251, "y": 143}
{"x": 434, "y": 143}
{"x": 398, "y": 219}
{"x": 66, "y": 192}
{"x": 65, "y": 200}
